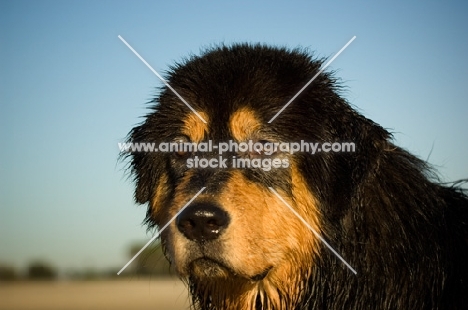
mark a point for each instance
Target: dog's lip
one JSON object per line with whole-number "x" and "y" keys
{"x": 262, "y": 275}
{"x": 210, "y": 262}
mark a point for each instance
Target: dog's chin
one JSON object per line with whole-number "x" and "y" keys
{"x": 208, "y": 269}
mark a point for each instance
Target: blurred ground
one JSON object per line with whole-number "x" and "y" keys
{"x": 116, "y": 295}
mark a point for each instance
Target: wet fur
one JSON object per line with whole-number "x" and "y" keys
{"x": 381, "y": 208}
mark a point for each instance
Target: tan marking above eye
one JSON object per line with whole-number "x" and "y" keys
{"x": 194, "y": 128}
{"x": 243, "y": 124}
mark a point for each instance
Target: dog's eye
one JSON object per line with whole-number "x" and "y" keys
{"x": 181, "y": 147}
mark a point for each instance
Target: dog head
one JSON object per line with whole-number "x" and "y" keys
{"x": 238, "y": 244}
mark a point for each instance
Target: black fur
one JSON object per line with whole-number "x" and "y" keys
{"x": 383, "y": 209}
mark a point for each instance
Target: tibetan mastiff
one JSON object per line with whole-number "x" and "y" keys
{"x": 348, "y": 220}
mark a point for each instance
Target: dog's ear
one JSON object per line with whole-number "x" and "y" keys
{"x": 146, "y": 169}
{"x": 146, "y": 165}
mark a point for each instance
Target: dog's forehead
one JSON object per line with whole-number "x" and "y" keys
{"x": 239, "y": 89}
{"x": 241, "y": 125}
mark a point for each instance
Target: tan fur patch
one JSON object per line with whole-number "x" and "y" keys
{"x": 263, "y": 234}
{"x": 305, "y": 199}
{"x": 159, "y": 194}
{"x": 194, "y": 128}
{"x": 243, "y": 123}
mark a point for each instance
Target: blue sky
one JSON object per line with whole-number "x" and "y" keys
{"x": 70, "y": 90}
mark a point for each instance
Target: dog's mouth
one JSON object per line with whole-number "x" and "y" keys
{"x": 262, "y": 275}
{"x": 208, "y": 268}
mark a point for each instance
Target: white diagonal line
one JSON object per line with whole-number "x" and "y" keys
{"x": 161, "y": 230}
{"x": 162, "y": 79}
{"x": 312, "y": 79}
{"x": 313, "y": 231}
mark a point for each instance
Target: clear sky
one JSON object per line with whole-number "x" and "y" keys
{"x": 70, "y": 90}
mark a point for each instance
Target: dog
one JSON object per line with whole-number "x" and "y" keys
{"x": 263, "y": 225}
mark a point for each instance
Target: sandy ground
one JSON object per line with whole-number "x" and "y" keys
{"x": 90, "y": 295}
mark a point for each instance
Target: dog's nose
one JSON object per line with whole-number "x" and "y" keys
{"x": 202, "y": 222}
